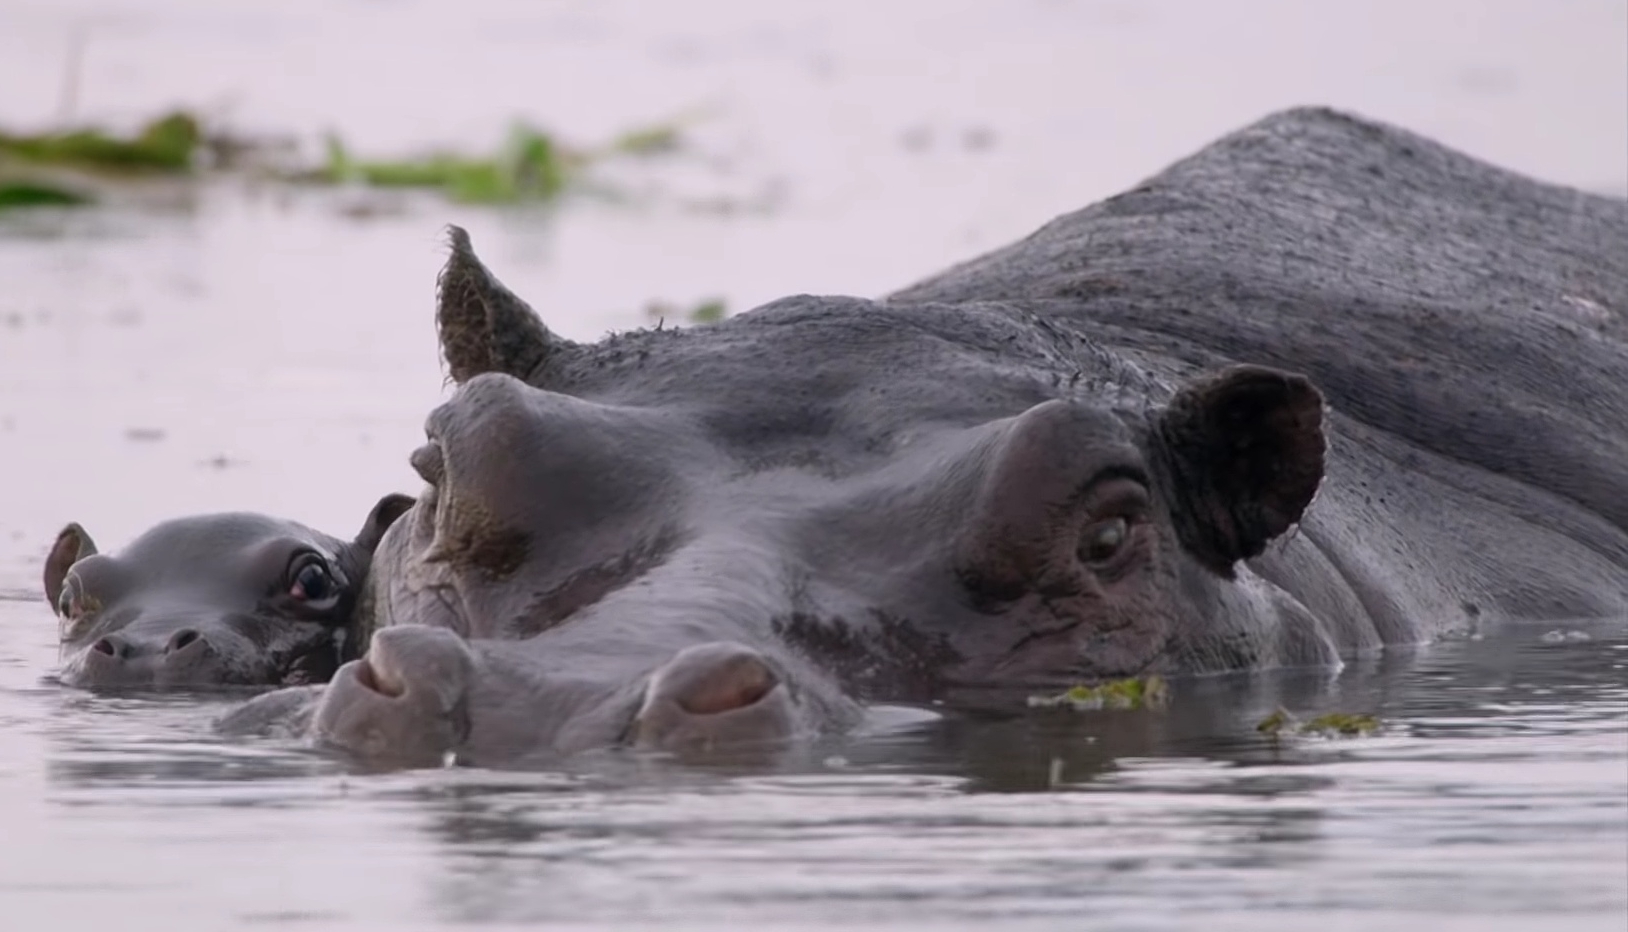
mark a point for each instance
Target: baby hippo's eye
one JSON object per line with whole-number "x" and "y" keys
{"x": 67, "y": 604}
{"x": 312, "y": 582}
{"x": 1104, "y": 540}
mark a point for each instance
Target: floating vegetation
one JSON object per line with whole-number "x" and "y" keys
{"x": 168, "y": 144}
{"x": 651, "y": 140}
{"x": 1279, "y": 721}
{"x": 530, "y": 165}
{"x": 708, "y": 311}
{"x": 1342, "y": 724}
{"x": 1329, "y": 725}
{"x": 1150, "y": 692}
{"x": 25, "y": 192}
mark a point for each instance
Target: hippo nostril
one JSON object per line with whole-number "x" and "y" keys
{"x": 181, "y": 640}
{"x": 712, "y": 694}
{"x": 429, "y": 462}
{"x": 108, "y": 646}
{"x": 738, "y": 682}
{"x": 370, "y": 677}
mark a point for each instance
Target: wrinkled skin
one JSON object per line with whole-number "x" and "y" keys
{"x": 231, "y": 599}
{"x": 1074, "y": 458}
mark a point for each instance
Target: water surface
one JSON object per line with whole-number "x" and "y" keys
{"x": 234, "y": 346}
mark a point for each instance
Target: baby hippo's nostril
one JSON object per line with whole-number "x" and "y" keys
{"x": 181, "y": 640}
{"x": 112, "y": 646}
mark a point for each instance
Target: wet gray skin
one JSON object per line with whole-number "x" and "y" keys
{"x": 1075, "y": 458}
{"x": 232, "y": 599}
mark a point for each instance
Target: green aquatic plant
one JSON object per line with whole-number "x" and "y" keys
{"x": 649, "y": 140}
{"x": 529, "y": 166}
{"x": 26, "y": 192}
{"x": 707, "y": 311}
{"x": 169, "y": 143}
{"x": 1329, "y": 725}
{"x": 1341, "y": 724}
{"x": 1275, "y": 724}
{"x": 1150, "y": 692}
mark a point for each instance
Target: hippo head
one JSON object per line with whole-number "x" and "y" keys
{"x": 223, "y": 599}
{"x": 709, "y": 532}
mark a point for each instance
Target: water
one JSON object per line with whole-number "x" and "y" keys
{"x": 1495, "y": 797}
{"x": 239, "y": 347}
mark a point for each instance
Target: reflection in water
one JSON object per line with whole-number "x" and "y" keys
{"x": 1497, "y": 791}
{"x": 1183, "y": 812}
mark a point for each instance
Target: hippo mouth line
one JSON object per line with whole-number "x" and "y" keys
{"x": 1033, "y": 659}
{"x": 1031, "y": 640}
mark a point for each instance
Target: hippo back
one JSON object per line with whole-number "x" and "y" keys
{"x": 1467, "y": 311}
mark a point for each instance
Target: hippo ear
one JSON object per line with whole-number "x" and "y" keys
{"x": 72, "y": 545}
{"x": 1244, "y": 454}
{"x": 484, "y": 327}
{"x": 378, "y": 521}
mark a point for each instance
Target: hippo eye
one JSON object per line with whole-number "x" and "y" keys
{"x": 67, "y": 604}
{"x": 312, "y": 583}
{"x": 1104, "y": 540}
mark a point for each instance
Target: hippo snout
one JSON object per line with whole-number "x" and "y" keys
{"x": 404, "y": 702}
{"x": 187, "y": 656}
{"x": 713, "y": 694}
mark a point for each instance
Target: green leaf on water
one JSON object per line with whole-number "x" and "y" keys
{"x": 26, "y": 193}
{"x": 1330, "y": 725}
{"x": 529, "y": 166}
{"x": 650, "y": 140}
{"x": 708, "y": 312}
{"x": 1275, "y": 724}
{"x": 535, "y": 163}
{"x": 478, "y": 183}
{"x": 1150, "y": 692}
{"x": 1342, "y": 724}
{"x": 166, "y": 144}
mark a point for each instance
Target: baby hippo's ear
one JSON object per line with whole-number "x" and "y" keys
{"x": 72, "y": 545}
{"x": 378, "y": 521}
{"x": 1243, "y": 450}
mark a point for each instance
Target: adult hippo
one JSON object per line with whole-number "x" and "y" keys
{"x": 1077, "y": 457}
{"x": 211, "y": 600}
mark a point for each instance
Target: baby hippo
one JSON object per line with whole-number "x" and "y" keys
{"x": 211, "y": 600}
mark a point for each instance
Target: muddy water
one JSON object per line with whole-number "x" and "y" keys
{"x": 241, "y": 347}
